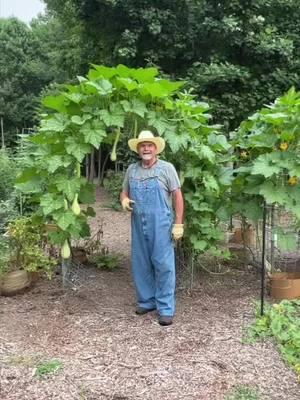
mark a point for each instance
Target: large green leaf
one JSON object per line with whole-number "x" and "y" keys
{"x": 64, "y": 219}
{"x": 102, "y": 86}
{"x": 55, "y": 103}
{"x": 210, "y": 182}
{"x": 158, "y": 122}
{"x": 93, "y": 134}
{"x": 56, "y": 123}
{"x": 265, "y": 165}
{"x": 143, "y": 75}
{"x": 128, "y": 83}
{"x": 78, "y": 120}
{"x": 176, "y": 141}
{"x": 75, "y": 97}
{"x": 273, "y": 194}
{"x": 155, "y": 90}
{"x": 56, "y": 162}
{"x": 69, "y": 187}
{"x": 205, "y": 152}
{"x": 50, "y": 203}
{"x": 101, "y": 71}
{"x": 78, "y": 150}
{"x": 218, "y": 142}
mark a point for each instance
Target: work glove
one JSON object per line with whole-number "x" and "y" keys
{"x": 177, "y": 231}
{"x": 126, "y": 204}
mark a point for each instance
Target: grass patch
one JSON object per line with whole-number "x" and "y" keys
{"x": 242, "y": 392}
{"x": 46, "y": 368}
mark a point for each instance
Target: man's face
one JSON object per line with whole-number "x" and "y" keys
{"x": 147, "y": 151}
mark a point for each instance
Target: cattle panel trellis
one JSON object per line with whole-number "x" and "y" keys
{"x": 271, "y": 244}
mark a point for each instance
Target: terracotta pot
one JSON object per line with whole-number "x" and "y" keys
{"x": 285, "y": 285}
{"x": 15, "y": 282}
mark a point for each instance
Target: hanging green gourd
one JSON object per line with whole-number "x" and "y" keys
{"x": 113, "y": 155}
{"x": 78, "y": 170}
{"x": 75, "y": 206}
{"x": 65, "y": 250}
{"x": 66, "y": 204}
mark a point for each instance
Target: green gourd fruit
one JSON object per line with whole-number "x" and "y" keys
{"x": 65, "y": 250}
{"x": 75, "y": 206}
{"x": 113, "y": 155}
{"x": 66, "y": 204}
{"x": 78, "y": 170}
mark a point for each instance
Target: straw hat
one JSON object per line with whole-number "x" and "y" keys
{"x": 147, "y": 136}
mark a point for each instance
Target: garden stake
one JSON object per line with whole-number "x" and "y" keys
{"x": 263, "y": 260}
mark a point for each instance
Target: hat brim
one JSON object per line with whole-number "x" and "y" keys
{"x": 158, "y": 141}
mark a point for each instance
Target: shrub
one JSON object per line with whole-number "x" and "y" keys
{"x": 8, "y": 172}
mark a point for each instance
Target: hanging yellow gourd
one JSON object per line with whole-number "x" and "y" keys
{"x": 65, "y": 250}
{"x": 75, "y": 206}
{"x": 113, "y": 155}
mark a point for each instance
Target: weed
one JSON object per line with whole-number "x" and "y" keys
{"x": 48, "y": 368}
{"x": 106, "y": 261}
{"x": 242, "y": 392}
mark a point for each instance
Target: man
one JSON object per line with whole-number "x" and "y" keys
{"x": 151, "y": 188}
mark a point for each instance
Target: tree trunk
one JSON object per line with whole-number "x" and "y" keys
{"x": 99, "y": 166}
{"x": 103, "y": 169}
{"x": 2, "y": 133}
{"x": 92, "y": 166}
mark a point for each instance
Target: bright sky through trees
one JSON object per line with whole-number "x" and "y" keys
{"x": 24, "y": 10}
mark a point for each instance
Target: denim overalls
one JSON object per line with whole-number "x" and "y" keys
{"x": 153, "y": 263}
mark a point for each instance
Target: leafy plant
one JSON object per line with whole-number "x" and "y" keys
{"x": 27, "y": 242}
{"x": 104, "y": 108}
{"x": 46, "y": 368}
{"x": 282, "y": 322}
{"x": 4, "y": 258}
{"x": 267, "y": 159}
{"x": 105, "y": 261}
{"x": 8, "y": 172}
{"x": 242, "y": 392}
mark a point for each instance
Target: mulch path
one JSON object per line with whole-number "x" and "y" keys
{"x": 109, "y": 353}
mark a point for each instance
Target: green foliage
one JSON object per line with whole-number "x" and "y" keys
{"x": 281, "y": 322}
{"x": 242, "y": 392}
{"x": 113, "y": 184}
{"x": 120, "y": 101}
{"x": 8, "y": 172}
{"x": 4, "y": 259}
{"x": 27, "y": 240}
{"x": 267, "y": 155}
{"x": 237, "y": 55}
{"x": 23, "y": 74}
{"x": 105, "y": 261}
{"x": 46, "y": 368}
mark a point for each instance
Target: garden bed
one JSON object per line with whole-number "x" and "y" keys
{"x": 107, "y": 352}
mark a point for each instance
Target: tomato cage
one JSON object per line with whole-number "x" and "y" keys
{"x": 272, "y": 245}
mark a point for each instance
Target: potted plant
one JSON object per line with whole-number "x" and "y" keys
{"x": 25, "y": 256}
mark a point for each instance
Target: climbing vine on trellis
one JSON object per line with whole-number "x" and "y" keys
{"x": 106, "y": 105}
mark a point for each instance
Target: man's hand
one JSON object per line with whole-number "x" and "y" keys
{"x": 126, "y": 204}
{"x": 177, "y": 231}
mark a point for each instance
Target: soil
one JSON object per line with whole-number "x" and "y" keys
{"x": 108, "y": 352}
